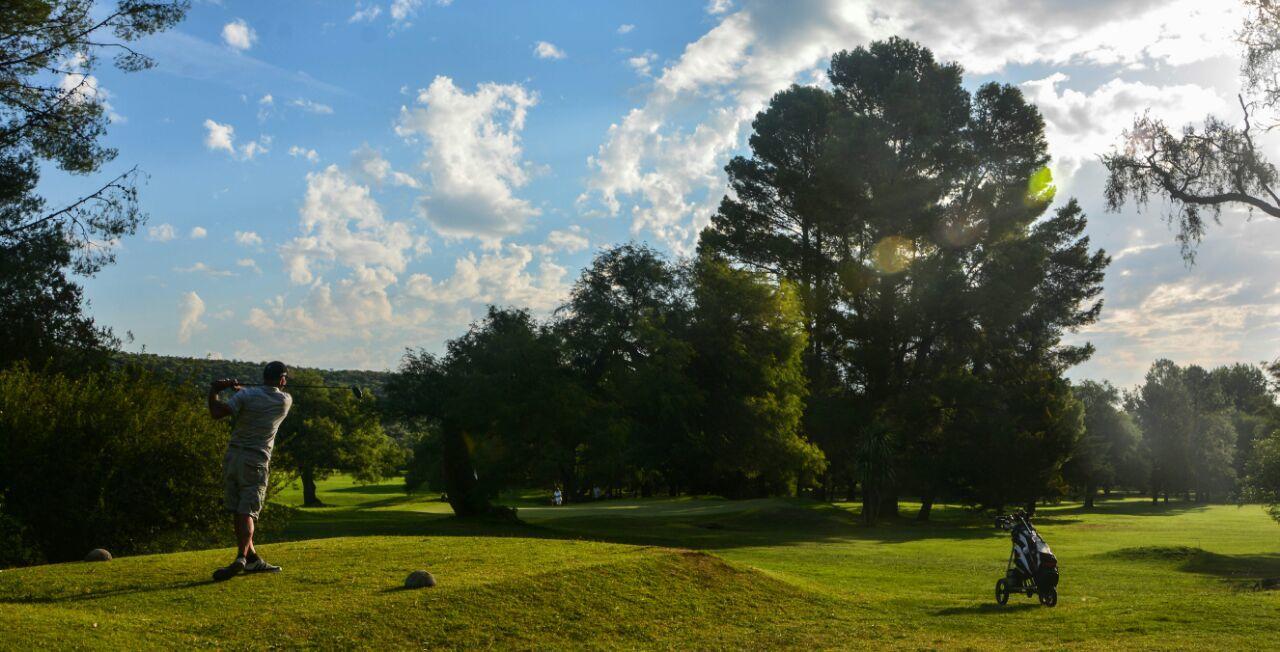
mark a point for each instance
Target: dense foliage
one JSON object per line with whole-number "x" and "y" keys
{"x": 911, "y": 216}
{"x": 330, "y": 431}
{"x": 114, "y": 459}
{"x": 653, "y": 377}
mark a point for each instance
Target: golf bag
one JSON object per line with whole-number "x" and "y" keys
{"x": 1032, "y": 567}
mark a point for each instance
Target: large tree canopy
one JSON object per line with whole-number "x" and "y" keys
{"x": 910, "y": 215}
{"x": 52, "y": 112}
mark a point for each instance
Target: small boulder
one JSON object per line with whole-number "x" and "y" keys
{"x": 419, "y": 579}
{"x": 98, "y": 554}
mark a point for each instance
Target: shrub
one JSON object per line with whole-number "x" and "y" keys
{"x": 116, "y": 459}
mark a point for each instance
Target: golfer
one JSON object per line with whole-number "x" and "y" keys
{"x": 258, "y": 413}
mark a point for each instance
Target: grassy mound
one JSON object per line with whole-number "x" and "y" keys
{"x": 344, "y": 592}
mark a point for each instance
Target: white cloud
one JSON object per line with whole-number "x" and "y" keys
{"x": 716, "y": 7}
{"x": 499, "y": 277}
{"x": 625, "y": 28}
{"x": 267, "y": 100}
{"x": 220, "y": 136}
{"x": 365, "y": 14}
{"x": 643, "y": 63}
{"x": 198, "y": 233}
{"x": 1080, "y": 126}
{"x": 662, "y": 162}
{"x": 248, "y": 239}
{"x": 249, "y": 264}
{"x": 312, "y": 106}
{"x": 403, "y": 10}
{"x": 238, "y": 35}
{"x": 301, "y": 152}
{"x": 190, "y": 310}
{"x": 570, "y": 241}
{"x": 371, "y": 168}
{"x": 545, "y": 50}
{"x": 473, "y": 156}
{"x": 161, "y": 233}
{"x": 341, "y": 223}
{"x": 200, "y": 267}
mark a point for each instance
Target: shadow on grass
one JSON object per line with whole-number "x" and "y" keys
{"x": 96, "y": 595}
{"x": 707, "y": 524}
{"x": 1245, "y": 571}
{"x": 988, "y": 608}
{"x": 1128, "y": 508}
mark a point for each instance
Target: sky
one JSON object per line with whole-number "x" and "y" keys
{"x": 330, "y": 183}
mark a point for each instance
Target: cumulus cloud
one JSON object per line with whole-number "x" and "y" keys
{"x": 499, "y": 277}
{"x": 715, "y": 7}
{"x": 248, "y": 239}
{"x": 302, "y": 152}
{"x": 342, "y": 223}
{"x": 643, "y": 63}
{"x": 473, "y": 157}
{"x": 570, "y": 240}
{"x": 198, "y": 233}
{"x": 220, "y": 136}
{"x": 545, "y": 50}
{"x": 1080, "y": 126}
{"x": 625, "y": 28}
{"x": 190, "y": 309}
{"x": 372, "y": 168}
{"x": 238, "y": 35}
{"x": 661, "y": 164}
{"x": 250, "y": 264}
{"x": 161, "y": 233}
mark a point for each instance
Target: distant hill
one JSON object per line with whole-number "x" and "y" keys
{"x": 198, "y": 372}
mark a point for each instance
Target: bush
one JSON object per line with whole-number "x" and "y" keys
{"x": 117, "y": 460}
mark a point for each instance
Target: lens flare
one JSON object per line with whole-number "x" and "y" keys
{"x": 1040, "y": 188}
{"x": 892, "y": 254}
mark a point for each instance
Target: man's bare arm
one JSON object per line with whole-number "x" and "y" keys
{"x": 218, "y": 409}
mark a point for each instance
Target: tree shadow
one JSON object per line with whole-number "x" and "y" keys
{"x": 1243, "y": 571}
{"x": 987, "y": 608}
{"x": 107, "y": 593}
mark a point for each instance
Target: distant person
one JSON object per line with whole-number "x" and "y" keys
{"x": 595, "y": 493}
{"x": 258, "y": 413}
{"x": 557, "y": 498}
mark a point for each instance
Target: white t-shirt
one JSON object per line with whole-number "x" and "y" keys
{"x": 258, "y": 413}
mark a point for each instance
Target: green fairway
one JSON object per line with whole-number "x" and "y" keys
{"x": 673, "y": 573}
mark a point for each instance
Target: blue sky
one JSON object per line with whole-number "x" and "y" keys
{"x": 331, "y": 182}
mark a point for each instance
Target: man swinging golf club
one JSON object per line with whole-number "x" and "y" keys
{"x": 258, "y": 412}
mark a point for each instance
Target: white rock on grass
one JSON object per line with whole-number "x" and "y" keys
{"x": 98, "y": 554}
{"x": 419, "y": 579}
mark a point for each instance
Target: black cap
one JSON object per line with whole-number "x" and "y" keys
{"x": 274, "y": 370}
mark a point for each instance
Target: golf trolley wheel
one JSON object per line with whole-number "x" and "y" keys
{"x": 1002, "y": 591}
{"x": 1049, "y": 598}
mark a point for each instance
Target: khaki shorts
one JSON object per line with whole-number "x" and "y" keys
{"x": 244, "y": 478}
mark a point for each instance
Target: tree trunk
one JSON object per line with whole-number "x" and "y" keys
{"x": 852, "y": 494}
{"x": 309, "y": 498}
{"x": 460, "y": 478}
{"x": 926, "y": 507}
{"x": 889, "y": 503}
{"x": 1030, "y": 507}
{"x": 1089, "y": 491}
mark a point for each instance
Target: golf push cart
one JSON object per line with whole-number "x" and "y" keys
{"x": 1032, "y": 567}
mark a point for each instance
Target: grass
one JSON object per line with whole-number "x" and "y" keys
{"x": 672, "y": 573}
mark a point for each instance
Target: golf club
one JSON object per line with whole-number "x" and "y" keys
{"x": 354, "y": 389}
